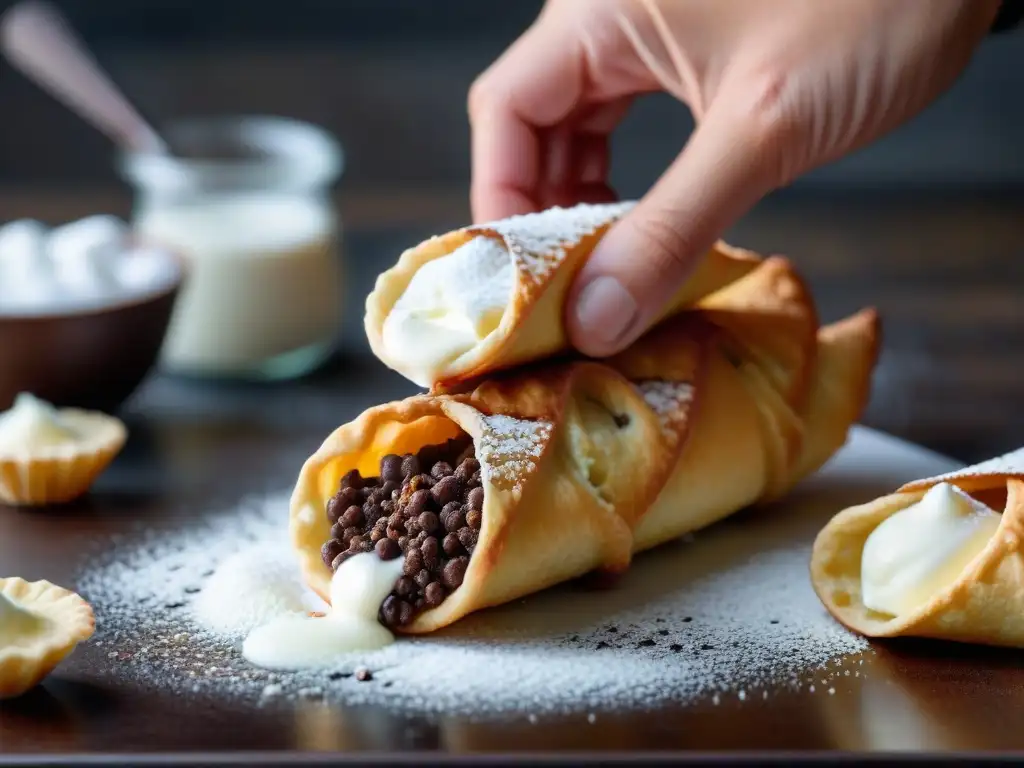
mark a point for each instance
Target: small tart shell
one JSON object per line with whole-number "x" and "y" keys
{"x": 69, "y": 621}
{"x": 63, "y": 472}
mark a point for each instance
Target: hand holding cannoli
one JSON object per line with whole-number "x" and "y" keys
{"x": 938, "y": 558}
{"x": 492, "y": 296}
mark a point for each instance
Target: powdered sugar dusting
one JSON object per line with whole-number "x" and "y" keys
{"x": 250, "y": 588}
{"x": 509, "y": 448}
{"x": 1011, "y": 463}
{"x": 668, "y": 399}
{"x": 730, "y": 611}
{"x": 538, "y": 240}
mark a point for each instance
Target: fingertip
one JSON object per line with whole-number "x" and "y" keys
{"x": 602, "y": 316}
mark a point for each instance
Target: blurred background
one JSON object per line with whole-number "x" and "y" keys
{"x": 928, "y": 224}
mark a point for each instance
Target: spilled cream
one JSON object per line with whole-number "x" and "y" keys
{"x": 358, "y": 588}
{"x": 921, "y": 550}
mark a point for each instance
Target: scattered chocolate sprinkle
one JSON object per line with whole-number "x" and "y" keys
{"x": 454, "y": 572}
{"x": 330, "y": 550}
{"x": 352, "y": 479}
{"x": 413, "y": 562}
{"x": 688, "y": 618}
{"x": 468, "y": 538}
{"x": 390, "y": 610}
{"x": 387, "y": 549}
{"x": 405, "y": 587}
{"x": 351, "y": 517}
{"x": 675, "y": 647}
{"x": 349, "y": 497}
{"x": 464, "y": 472}
{"x": 417, "y": 503}
{"x": 647, "y": 642}
{"x": 434, "y": 594}
{"x": 446, "y": 490}
{"x": 334, "y": 508}
{"x": 451, "y": 545}
{"x": 391, "y": 469}
{"x": 452, "y": 517}
{"x": 431, "y": 552}
{"x": 410, "y": 466}
{"x": 428, "y": 521}
{"x": 363, "y": 675}
{"x": 602, "y": 644}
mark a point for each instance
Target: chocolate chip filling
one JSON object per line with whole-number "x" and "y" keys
{"x": 426, "y": 505}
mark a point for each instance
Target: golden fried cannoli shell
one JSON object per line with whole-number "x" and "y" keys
{"x": 984, "y": 605}
{"x": 550, "y": 514}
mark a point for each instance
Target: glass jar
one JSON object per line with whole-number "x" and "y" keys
{"x": 247, "y": 202}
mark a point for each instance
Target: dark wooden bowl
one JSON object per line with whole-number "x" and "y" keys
{"x": 92, "y": 359}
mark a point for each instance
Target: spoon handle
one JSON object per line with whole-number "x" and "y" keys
{"x": 38, "y": 40}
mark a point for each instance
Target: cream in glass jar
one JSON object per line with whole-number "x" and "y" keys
{"x": 246, "y": 201}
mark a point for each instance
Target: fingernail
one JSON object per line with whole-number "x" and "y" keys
{"x": 605, "y": 311}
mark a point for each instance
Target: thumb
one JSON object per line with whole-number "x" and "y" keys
{"x": 727, "y": 166}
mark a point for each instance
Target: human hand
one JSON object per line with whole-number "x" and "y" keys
{"x": 777, "y": 87}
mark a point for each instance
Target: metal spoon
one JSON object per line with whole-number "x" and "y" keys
{"x": 37, "y": 39}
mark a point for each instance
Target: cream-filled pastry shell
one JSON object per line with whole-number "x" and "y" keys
{"x": 40, "y": 625}
{"x": 982, "y": 602}
{"x": 50, "y": 455}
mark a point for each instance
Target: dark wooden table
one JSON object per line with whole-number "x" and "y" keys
{"x": 946, "y": 273}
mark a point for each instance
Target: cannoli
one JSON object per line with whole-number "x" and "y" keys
{"x": 937, "y": 558}
{"x": 490, "y": 297}
{"x": 500, "y": 488}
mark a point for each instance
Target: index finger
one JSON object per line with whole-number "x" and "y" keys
{"x": 535, "y": 84}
